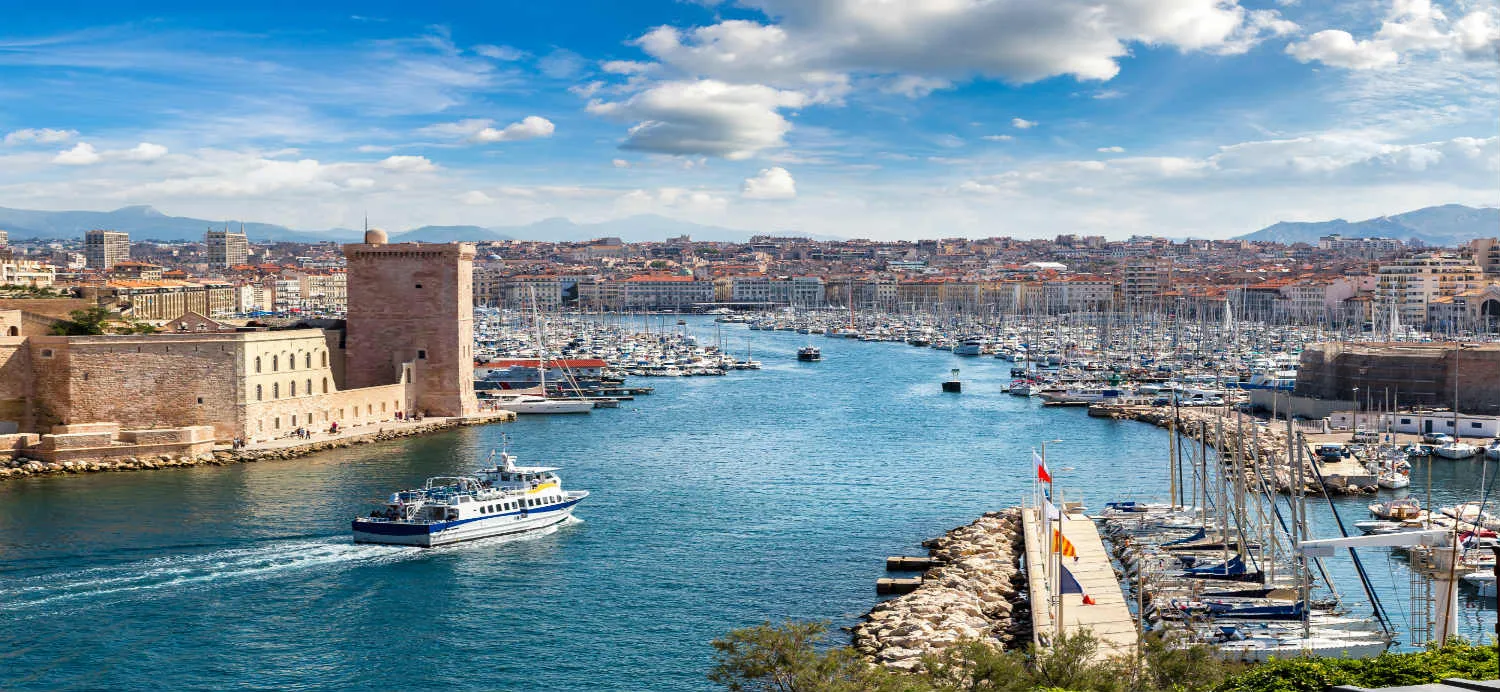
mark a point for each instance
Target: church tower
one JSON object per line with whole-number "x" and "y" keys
{"x": 412, "y": 303}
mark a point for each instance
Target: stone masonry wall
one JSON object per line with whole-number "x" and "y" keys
{"x": 16, "y": 385}
{"x": 270, "y": 420}
{"x": 165, "y": 381}
{"x": 413, "y": 303}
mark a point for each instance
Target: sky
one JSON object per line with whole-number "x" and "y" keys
{"x": 881, "y": 119}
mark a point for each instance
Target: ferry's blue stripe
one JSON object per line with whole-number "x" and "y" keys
{"x": 389, "y": 528}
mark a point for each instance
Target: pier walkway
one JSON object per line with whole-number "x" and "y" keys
{"x": 1109, "y": 619}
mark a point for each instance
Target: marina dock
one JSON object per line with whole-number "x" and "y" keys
{"x": 1108, "y": 618}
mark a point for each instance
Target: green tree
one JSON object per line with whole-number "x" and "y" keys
{"x": 85, "y": 322}
{"x": 786, "y": 658}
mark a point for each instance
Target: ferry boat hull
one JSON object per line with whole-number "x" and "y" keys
{"x": 431, "y": 534}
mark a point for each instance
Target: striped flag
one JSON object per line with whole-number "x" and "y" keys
{"x": 1063, "y": 546}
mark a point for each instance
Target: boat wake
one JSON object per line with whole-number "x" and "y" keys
{"x": 146, "y": 578}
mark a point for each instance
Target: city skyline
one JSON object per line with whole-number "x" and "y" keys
{"x": 1188, "y": 118}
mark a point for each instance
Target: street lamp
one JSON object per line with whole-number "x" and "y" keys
{"x": 1356, "y": 409}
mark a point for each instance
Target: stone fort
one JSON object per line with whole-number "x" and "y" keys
{"x": 406, "y": 348}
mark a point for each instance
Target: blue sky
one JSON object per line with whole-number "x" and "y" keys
{"x": 857, "y": 118}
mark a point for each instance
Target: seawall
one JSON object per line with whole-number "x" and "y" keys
{"x": 22, "y": 467}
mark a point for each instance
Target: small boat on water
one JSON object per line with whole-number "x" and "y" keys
{"x": 1456, "y": 450}
{"x": 1400, "y": 509}
{"x": 809, "y": 354}
{"x": 500, "y": 501}
{"x": 528, "y": 403}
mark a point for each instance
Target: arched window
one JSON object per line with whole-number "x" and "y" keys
{"x": 294, "y": 388}
{"x": 257, "y": 363}
{"x": 275, "y": 363}
{"x": 309, "y": 385}
{"x": 258, "y": 391}
{"x": 291, "y": 361}
{"x": 15, "y": 331}
{"x": 325, "y": 391}
{"x": 275, "y": 386}
{"x": 323, "y": 356}
{"x": 307, "y": 361}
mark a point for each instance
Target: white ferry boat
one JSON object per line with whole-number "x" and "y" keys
{"x": 499, "y": 501}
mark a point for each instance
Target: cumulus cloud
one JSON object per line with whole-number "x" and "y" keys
{"x": 82, "y": 154}
{"x": 1111, "y": 150}
{"x": 625, "y": 66}
{"x": 1022, "y": 123}
{"x": 39, "y": 136}
{"x": 704, "y": 117}
{"x": 476, "y": 198}
{"x": 146, "y": 151}
{"x": 1411, "y": 27}
{"x": 1016, "y": 41}
{"x": 771, "y": 183}
{"x": 1338, "y": 48}
{"x": 530, "y": 127}
{"x": 408, "y": 164}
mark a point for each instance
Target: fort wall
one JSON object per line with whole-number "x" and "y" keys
{"x": 1413, "y": 375}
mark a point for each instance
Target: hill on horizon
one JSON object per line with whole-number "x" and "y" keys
{"x": 1445, "y": 225}
{"x": 144, "y": 222}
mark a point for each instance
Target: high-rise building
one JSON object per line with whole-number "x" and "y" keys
{"x": 226, "y": 249}
{"x": 105, "y": 249}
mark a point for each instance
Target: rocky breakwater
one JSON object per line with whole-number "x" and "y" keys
{"x": 22, "y": 467}
{"x": 978, "y": 593}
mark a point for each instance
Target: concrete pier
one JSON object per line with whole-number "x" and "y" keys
{"x": 1109, "y": 619}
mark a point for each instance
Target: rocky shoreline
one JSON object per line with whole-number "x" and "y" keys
{"x": 978, "y": 593}
{"x": 22, "y": 467}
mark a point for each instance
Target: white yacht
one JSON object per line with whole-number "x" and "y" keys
{"x": 530, "y": 403}
{"x": 969, "y": 346}
{"x": 1456, "y": 450}
{"x": 499, "y": 501}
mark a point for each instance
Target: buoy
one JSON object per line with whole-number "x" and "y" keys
{"x": 953, "y": 385}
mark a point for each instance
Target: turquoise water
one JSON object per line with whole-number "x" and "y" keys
{"x": 718, "y": 503}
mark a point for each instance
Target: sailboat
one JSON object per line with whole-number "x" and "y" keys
{"x": 532, "y": 403}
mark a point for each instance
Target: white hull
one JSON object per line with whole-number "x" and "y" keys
{"x": 504, "y": 525}
{"x": 1456, "y": 451}
{"x": 1260, "y": 650}
{"x": 1394, "y": 481}
{"x": 546, "y": 406}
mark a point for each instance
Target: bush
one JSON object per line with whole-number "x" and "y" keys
{"x": 787, "y": 658}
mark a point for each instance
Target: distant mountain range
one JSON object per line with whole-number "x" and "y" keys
{"x": 146, "y": 223}
{"x": 1446, "y": 225}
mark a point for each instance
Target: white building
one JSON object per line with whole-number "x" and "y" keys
{"x": 1410, "y": 284}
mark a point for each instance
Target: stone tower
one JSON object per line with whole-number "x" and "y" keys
{"x": 412, "y": 303}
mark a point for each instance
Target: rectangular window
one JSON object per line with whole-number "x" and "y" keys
{"x": 1476, "y": 425}
{"x": 1405, "y": 421}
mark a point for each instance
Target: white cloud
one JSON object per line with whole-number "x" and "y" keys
{"x": 670, "y": 198}
{"x": 82, "y": 154}
{"x": 502, "y": 53}
{"x": 626, "y": 67}
{"x": 1016, "y": 41}
{"x": 408, "y": 164}
{"x": 530, "y": 127}
{"x": 1022, "y": 123}
{"x": 39, "y": 136}
{"x": 704, "y": 117}
{"x": 1338, "y": 48}
{"x": 1411, "y": 27}
{"x": 562, "y": 64}
{"x": 476, "y": 198}
{"x": 771, "y": 183}
{"x": 1111, "y": 150}
{"x": 146, "y": 151}
{"x": 997, "y": 138}
{"x": 915, "y": 86}
{"x": 620, "y": 163}
{"x": 359, "y": 183}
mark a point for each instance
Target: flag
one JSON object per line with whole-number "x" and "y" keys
{"x": 1041, "y": 468}
{"x": 1069, "y": 584}
{"x": 1052, "y": 512}
{"x": 1063, "y": 546}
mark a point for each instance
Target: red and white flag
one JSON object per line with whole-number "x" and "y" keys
{"x": 1041, "y": 468}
